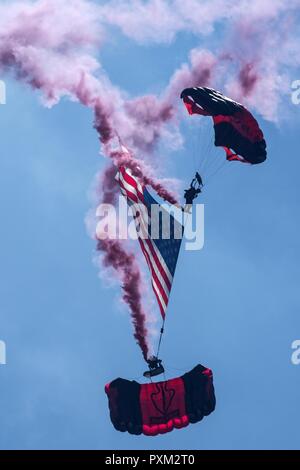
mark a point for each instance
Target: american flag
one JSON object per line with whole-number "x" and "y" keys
{"x": 161, "y": 253}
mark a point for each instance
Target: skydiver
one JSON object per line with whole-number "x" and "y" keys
{"x": 155, "y": 367}
{"x": 194, "y": 190}
{"x": 154, "y": 362}
{"x": 191, "y": 194}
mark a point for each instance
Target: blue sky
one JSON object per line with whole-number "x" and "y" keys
{"x": 234, "y": 305}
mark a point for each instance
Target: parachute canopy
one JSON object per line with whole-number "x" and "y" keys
{"x": 235, "y": 127}
{"x": 158, "y": 408}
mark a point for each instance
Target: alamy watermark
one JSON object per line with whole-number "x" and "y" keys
{"x": 155, "y": 222}
{"x": 295, "y": 358}
{"x": 2, "y": 92}
{"x": 2, "y": 353}
{"x": 296, "y": 92}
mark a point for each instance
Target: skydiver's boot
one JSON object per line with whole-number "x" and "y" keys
{"x": 154, "y": 372}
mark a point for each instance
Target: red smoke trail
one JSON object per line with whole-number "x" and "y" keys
{"x": 115, "y": 256}
{"x": 200, "y": 72}
{"x": 248, "y": 78}
{"x": 124, "y": 263}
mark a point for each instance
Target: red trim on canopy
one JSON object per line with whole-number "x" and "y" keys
{"x": 192, "y": 107}
{"x": 233, "y": 157}
{"x": 244, "y": 123}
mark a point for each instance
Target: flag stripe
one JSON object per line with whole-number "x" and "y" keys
{"x": 156, "y": 274}
{"x": 162, "y": 303}
{"x": 161, "y": 277}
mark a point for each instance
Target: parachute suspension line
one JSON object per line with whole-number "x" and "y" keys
{"x": 196, "y": 149}
{"x": 195, "y": 143}
{"x": 160, "y": 336}
{"x": 201, "y": 145}
{"x": 214, "y": 167}
{"x": 205, "y": 148}
{"x": 208, "y": 149}
{"x": 219, "y": 168}
{"x": 202, "y": 142}
{"x": 213, "y": 161}
{"x": 209, "y": 163}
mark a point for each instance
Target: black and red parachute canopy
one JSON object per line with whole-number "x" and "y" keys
{"x": 235, "y": 127}
{"x": 158, "y": 408}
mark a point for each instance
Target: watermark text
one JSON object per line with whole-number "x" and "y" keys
{"x": 155, "y": 222}
{"x": 296, "y": 92}
{"x": 2, "y": 92}
{"x": 295, "y": 358}
{"x": 2, "y": 353}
